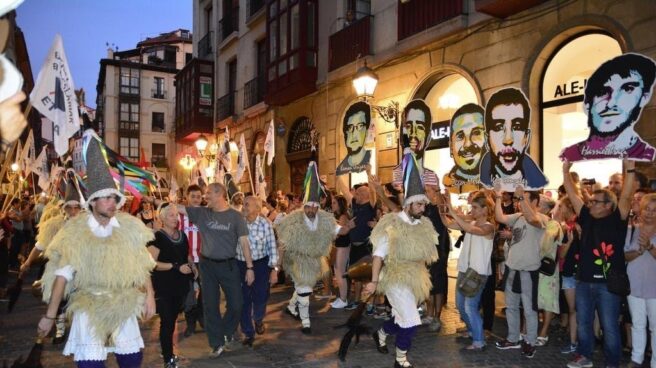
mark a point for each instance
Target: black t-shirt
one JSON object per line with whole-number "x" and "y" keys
{"x": 443, "y": 238}
{"x": 602, "y": 244}
{"x": 571, "y": 257}
{"x": 363, "y": 213}
{"x": 170, "y": 282}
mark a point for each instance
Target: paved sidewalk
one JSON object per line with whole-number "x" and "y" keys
{"x": 283, "y": 345}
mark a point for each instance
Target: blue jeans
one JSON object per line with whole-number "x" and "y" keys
{"x": 595, "y": 296}
{"x": 469, "y": 313}
{"x": 255, "y": 296}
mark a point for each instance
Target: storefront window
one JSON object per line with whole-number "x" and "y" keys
{"x": 564, "y": 121}
{"x": 444, "y": 98}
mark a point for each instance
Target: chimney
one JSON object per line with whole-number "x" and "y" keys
{"x": 110, "y": 53}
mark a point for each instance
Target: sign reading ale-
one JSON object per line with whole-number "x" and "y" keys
{"x": 570, "y": 89}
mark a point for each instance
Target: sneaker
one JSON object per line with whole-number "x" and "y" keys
{"x": 528, "y": 350}
{"x": 216, "y": 352}
{"x": 542, "y": 341}
{"x": 580, "y": 362}
{"x": 306, "y": 330}
{"x": 351, "y": 306}
{"x": 568, "y": 349}
{"x": 338, "y": 304}
{"x": 505, "y": 345}
{"x": 435, "y": 326}
{"x": 231, "y": 345}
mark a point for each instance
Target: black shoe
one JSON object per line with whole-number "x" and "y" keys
{"x": 248, "y": 341}
{"x": 191, "y": 329}
{"x": 528, "y": 350}
{"x": 398, "y": 365}
{"x": 381, "y": 348}
{"x": 306, "y": 330}
{"x": 259, "y": 327}
{"x": 58, "y": 340}
{"x": 171, "y": 364}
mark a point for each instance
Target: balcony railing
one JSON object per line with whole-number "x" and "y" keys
{"x": 226, "y": 105}
{"x": 349, "y": 43}
{"x": 419, "y": 15}
{"x": 254, "y": 91}
{"x": 158, "y": 94}
{"x": 229, "y": 24}
{"x": 254, "y": 6}
{"x": 205, "y": 46}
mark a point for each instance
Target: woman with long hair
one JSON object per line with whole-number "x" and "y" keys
{"x": 342, "y": 246}
{"x": 475, "y": 253}
{"x": 568, "y": 254}
{"x": 171, "y": 277}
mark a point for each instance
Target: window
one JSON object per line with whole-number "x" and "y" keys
{"x": 129, "y": 118}
{"x": 158, "y": 156}
{"x": 130, "y": 81}
{"x": 158, "y": 122}
{"x": 129, "y": 147}
{"x": 359, "y": 8}
{"x": 158, "y": 88}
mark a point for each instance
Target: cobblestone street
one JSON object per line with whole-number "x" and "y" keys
{"x": 283, "y": 345}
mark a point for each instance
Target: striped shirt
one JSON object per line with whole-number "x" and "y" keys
{"x": 193, "y": 236}
{"x": 429, "y": 177}
{"x": 262, "y": 240}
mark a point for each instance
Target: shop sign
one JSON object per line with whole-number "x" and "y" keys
{"x": 440, "y": 132}
{"x": 572, "y": 88}
{"x": 205, "y": 98}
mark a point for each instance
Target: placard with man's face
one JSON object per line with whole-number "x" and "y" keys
{"x": 615, "y": 95}
{"x": 355, "y": 126}
{"x": 415, "y": 128}
{"x": 467, "y": 145}
{"x": 507, "y": 127}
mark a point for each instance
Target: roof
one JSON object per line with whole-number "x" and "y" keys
{"x": 167, "y": 38}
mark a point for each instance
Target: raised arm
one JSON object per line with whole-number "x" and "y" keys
{"x": 342, "y": 187}
{"x": 570, "y": 188}
{"x": 629, "y": 187}
{"x": 529, "y": 213}
{"x": 498, "y": 211}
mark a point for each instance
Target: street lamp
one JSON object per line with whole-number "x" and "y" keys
{"x": 14, "y": 167}
{"x": 201, "y": 144}
{"x": 187, "y": 162}
{"x": 364, "y": 83}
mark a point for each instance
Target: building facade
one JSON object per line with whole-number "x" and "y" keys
{"x": 448, "y": 52}
{"x": 136, "y": 98}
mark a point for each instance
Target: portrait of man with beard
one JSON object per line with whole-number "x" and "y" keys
{"x": 356, "y": 124}
{"x": 614, "y": 98}
{"x": 467, "y": 146}
{"x": 415, "y": 136}
{"x": 507, "y": 118}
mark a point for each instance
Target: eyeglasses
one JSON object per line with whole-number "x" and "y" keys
{"x": 594, "y": 201}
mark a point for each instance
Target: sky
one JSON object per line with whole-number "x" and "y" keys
{"x": 87, "y": 25}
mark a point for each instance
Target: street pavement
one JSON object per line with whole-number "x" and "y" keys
{"x": 283, "y": 345}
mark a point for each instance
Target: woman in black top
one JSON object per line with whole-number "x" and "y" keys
{"x": 170, "y": 278}
{"x": 146, "y": 214}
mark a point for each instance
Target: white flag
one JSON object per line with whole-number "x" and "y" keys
{"x": 173, "y": 189}
{"x": 40, "y": 167}
{"x": 269, "y": 144}
{"x": 260, "y": 183}
{"x": 54, "y": 96}
{"x": 242, "y": 159}
{"x": 226, "y": 158}
{"x": 27, "y": 155}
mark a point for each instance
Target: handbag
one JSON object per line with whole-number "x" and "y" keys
{"x": 547, "y": 266}
{"x": 471, "y": 282}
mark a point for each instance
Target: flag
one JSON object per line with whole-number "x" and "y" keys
{"x": 260, "y": 183}
{"x": 242, "y": 159}
{"x": 173, "y": 190}
{"x": 225, "y": 152}
{"x": 269, "y": 144}
{"x": 54, "y": 96}
{"x": 40, "y": 167}
{"x": 27, "y": 154}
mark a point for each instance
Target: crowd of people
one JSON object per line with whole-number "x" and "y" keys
{"x": 553, "y": 256}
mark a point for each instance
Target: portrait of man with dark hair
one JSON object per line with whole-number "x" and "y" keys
{"x": 507, "y": 120}
{"x": 467, "y": 146}
{"x": 615, "y": 95}
{"x": 355, "y": 126}
{"x": 415, "y": 136}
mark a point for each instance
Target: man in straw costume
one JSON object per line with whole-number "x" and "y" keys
{"x": 47, "y": 231}
{"x": 100, "y": 262}
{"x": 305, "y": 236}
{"x": 405, "y": 242}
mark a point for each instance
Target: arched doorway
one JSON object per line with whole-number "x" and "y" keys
{"x": 298, "y": 152}
{"x": 564, "y": 122}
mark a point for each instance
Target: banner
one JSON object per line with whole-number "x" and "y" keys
{"x": 356, "y": 125}
{"x": 242, "y": 159}
{"x": 54, "y": 96}
{"x": 465, "y": 136}
{"x": 269, "y": 143}
{"x": 260, "y": 183}
{"x": 40, "y": 167}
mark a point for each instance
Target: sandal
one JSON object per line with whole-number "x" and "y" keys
{"x": 542, "y": 341}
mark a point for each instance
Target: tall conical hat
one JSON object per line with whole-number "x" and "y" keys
{"x": 312, "y": 187}
{"x": 413, "y": 186}
{"x": 99, "y": 180}
{"x": 72, "y": 197}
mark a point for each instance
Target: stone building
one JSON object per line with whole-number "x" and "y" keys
{"x": 448, "y": 52}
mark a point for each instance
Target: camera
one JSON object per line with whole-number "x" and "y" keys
{"x": 588, "y": 181}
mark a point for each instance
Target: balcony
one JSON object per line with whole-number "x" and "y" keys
{"x": 253, "y": 6}
{"x": 254, "y": 91}
{"x": 158, "y": 94}
{"x": 194, "y": 99}
{"x": 229, "y": 24}
{"x": 346, "y": 45}
{"x": 226, "y": 105}
{"x": 205, "y": 46}
{"x": 419, "y": 15}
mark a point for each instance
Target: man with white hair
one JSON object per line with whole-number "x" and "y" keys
{"x": 405, "y": 241}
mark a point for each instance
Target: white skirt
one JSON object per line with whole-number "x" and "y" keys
{"x": 84, "y": 345}
{"x": 404, "y": 306}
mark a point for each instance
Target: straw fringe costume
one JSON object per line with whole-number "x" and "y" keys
{"x": 48, "y": 230}
{"x": 106, "y": 289}
{"x": 304, "y": 257}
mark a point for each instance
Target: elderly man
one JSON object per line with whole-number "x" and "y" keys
{"x": 405, "y": 242}
{"x": 265, "y": 266}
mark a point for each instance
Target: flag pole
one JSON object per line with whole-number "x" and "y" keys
{"x": 250, "y": 177}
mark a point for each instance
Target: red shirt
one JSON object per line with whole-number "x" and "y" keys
{"x": 193, "y": 236}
